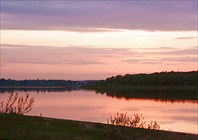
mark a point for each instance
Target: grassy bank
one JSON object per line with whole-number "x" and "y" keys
{"x": 14, "y": 126}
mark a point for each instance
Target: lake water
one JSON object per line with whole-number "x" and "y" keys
{"x": 88, "y": 106}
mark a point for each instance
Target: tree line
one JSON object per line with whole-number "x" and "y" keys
{"x": 43, "y": 82}
{"x": 157, "y": 78}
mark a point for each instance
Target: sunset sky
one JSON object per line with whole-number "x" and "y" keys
{"x": 83, "y": 40}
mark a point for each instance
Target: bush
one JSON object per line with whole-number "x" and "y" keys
{"x": 122, "y": 119}
{"x": 16, "y": 104}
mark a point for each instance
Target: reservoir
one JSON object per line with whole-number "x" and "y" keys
{"x": 84, "y": 105}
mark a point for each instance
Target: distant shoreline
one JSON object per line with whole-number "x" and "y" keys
{"x": 106, "y": 86}
{"x": 157, "y": 92}
{"x": 34, "y": 87}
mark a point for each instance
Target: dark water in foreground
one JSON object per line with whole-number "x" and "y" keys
{"x": 175, "y": 115}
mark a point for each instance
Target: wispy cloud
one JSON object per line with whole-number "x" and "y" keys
{"x": 143, "y": 61}
{"x": 163, "y": 56}
{"x": 76, "y": 55}
{"x": 72, "y": 55}
{"x": 180, "y": 59}
{"x": 186, "y": 38}
{"x": 99, "y": 15}
{"x": 85, "y": 62}
{"x": 164, "y": 61}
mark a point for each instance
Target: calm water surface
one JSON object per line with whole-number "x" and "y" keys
{"x": 89, "y": 106}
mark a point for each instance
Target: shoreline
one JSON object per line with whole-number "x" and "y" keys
{"x": 35, "y": 127}
{"x": 91, "y": 124}
{"x": 34, "y": 87}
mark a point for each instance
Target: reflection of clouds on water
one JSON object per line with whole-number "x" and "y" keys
{"x": 166, "y": 114}
{"x": 153, "y": 107}
{"x": 181, "y": 114}
{"x": 166, "y": 122}
{"x": 78, "y": 112}
{"x": 179, "y": 118}
{"x": 189, "y": 119}
{"x": 132, "y": 109}
{"x": 180, "y": 110}
{"x": 77, "y": 108}
{"x": 85, "y": 107}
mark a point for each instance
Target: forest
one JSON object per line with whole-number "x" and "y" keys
{"x": 157, "y": 78}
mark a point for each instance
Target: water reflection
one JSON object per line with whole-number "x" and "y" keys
{"x": 161, "y": 95}
{"x": 89, "y": 106}
{"x": 164, "y": 95}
